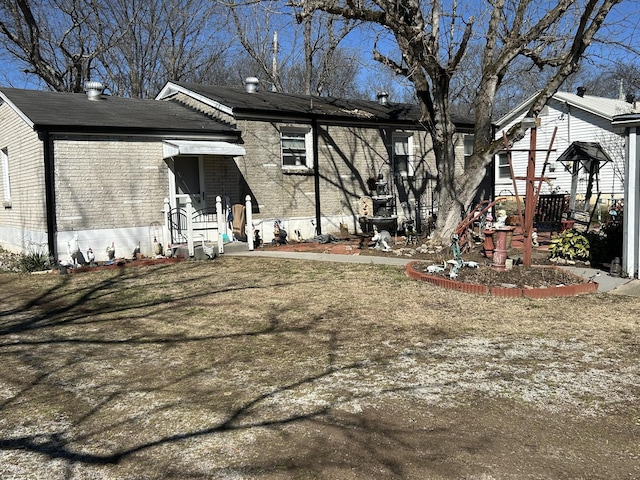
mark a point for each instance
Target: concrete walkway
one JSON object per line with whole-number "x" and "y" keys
{"x": 606, "y": 283}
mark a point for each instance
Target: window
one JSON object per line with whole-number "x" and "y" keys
{"x": 296, "y": 148}
{"x": 468, "y": 149}
{"x": 6, "y": 185}
{"x": 402, "y": 154}
{"x": 504, "y": 171}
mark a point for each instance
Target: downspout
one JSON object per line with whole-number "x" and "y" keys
{"x": 50, "y": 194}
{"x": 574, "y": 167}
{"x": 316, "y": 174}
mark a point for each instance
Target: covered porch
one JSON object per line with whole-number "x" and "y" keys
{"x": 185, "y": 227}
{"x": 204, "y": 208}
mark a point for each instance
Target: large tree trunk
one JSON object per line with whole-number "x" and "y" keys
{"x": 456, "y": 186}
{"x": 456, "y": 194}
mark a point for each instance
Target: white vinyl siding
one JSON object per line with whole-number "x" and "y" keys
{"x": 573, "y": 125}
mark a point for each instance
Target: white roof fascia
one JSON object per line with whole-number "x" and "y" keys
{"x": 171, "y": 88}
{"x": 603, "y": 107}
{"x": 20, "y": 113}
{"x": 172, "y": 148}
{"x": 626, "y": 119}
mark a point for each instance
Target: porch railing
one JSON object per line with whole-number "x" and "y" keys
{"x": 183, "y": 224}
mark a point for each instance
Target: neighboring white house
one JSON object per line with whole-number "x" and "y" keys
{"x": 583, "y": 124}
{"x": 629, "y": 126}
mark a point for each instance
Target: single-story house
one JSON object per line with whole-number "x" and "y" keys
{"x": 310, "y": 160}
{"x": 95, "y": 166}
{"x": 106, "y": 169}
{"x": 586, "y": 156}
{"x": 629, "y": 127}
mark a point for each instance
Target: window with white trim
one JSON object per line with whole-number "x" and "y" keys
{"x": 6, "y": 184}
{"x": 468, "y": 149}
{"x": 296, "y": 148}
{"x": 504, "y": 170}
{"x": 403, "y": 154}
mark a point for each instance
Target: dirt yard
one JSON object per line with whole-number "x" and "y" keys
{"x": 252, "y": 368}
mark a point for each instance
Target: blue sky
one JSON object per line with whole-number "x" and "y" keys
{"x": 621, "y": 25}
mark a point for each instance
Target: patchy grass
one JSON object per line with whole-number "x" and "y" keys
{"x": 259, "y": 368}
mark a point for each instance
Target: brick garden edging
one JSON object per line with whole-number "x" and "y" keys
{"x": 547, "y": 292}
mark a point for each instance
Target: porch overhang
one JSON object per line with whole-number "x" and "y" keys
{"x": 172, "y": 148}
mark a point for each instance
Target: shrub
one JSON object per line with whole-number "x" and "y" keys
{"x": 606, "y": 244}
{"x": 571, "y": 245}
{"x": 9, "y": 262}
{"x": 35, "y": 261}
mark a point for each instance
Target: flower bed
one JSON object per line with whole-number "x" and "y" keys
{"x": 580, "y": 286}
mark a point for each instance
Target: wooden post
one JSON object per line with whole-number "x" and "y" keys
{"x": 249, "y": 227}
{"x": 530, "y": 200}
{"x": 513, "y": 179}
{"x": 221, "y": 221}
{"x": 575, "y": 171}
{"x": 166, "y": 232}
{"x": 189, "y": 210}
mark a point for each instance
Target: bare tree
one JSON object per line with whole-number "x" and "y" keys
{"x": 617, "y": 80}
{"x": 54, "y": 41}
{"x": 256, "y": 27}
{"x": 431, "y": 38}
{"x": 163, "y": 40}
{"x": 308, "y": 60}
{"x": 132, "y": 46}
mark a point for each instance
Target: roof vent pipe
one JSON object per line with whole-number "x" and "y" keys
{"x": 94, "y": 90}
{"x": 581, "y": 91}
{"x": 251, "y": 84}
{"x": 383, "y": 98}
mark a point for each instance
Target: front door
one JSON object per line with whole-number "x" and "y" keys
{"x": 188, "y": 182}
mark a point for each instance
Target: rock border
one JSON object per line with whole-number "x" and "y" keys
{"x": 504, "y": 292}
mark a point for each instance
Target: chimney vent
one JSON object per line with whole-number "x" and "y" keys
{"x": 581, "y": 91}
{"x": 94, "y": 90}
{"x": 383, "y": 98}
{"x": 630, "y": 98}
{"x": 251, "y": 84}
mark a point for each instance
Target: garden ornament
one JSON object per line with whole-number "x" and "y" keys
{"x": 382, "y": 239}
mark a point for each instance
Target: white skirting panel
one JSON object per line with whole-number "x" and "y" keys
{"x": 20, "y": 240}
{"x": 124, "y": 240}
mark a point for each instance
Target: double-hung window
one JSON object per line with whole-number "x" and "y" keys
{"x": 504, "y": 170}
{"x": 296, "y": 148}
{"x": 403, "y": 154}
{"x": 4, "y": 171}
{"x": 468, "y": 150}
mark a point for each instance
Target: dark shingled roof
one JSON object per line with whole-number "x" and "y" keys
{"x": 75, "y": 112}
{"x": 582, "y": 151}
{"x": 325, "y": 108}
